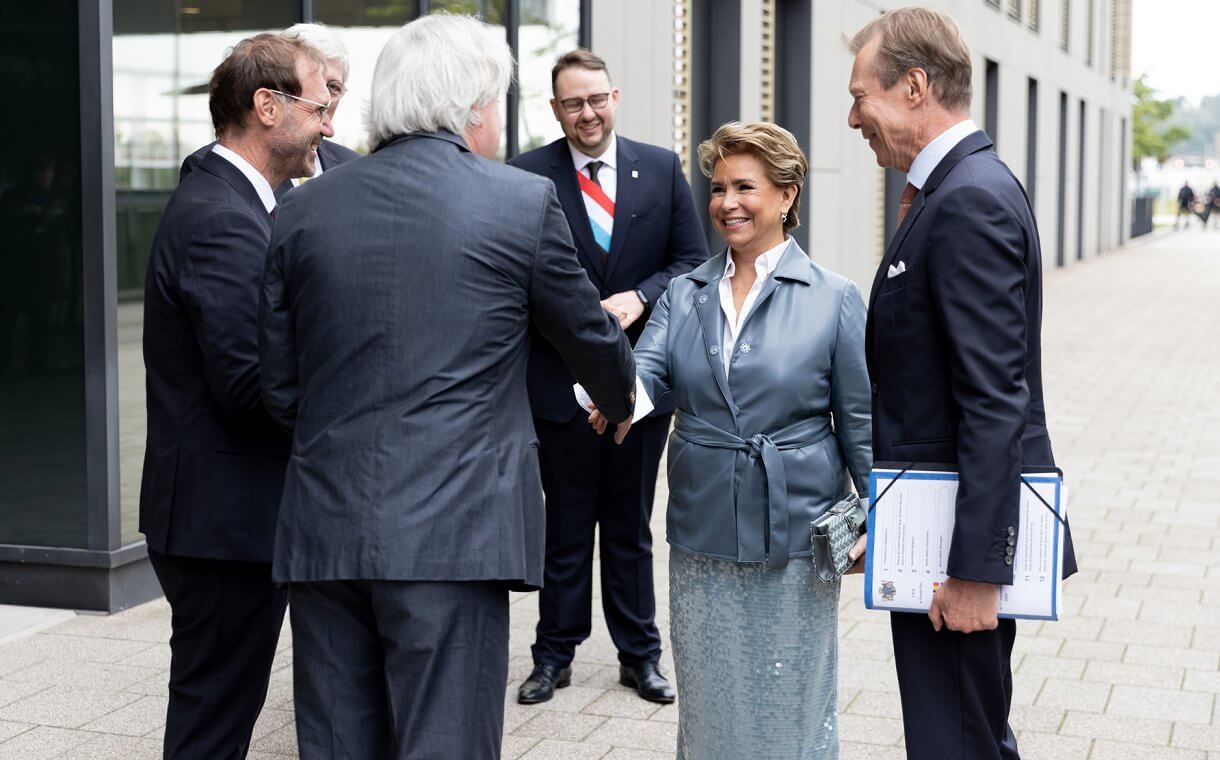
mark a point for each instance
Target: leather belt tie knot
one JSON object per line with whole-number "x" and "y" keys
{"x": 761, "y": 497}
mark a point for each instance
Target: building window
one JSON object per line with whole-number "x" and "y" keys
{"x": 991, "y": 96}
{"x": 1120, "y": 40}
{"x": 1035, "y": 15}
{"x": 1090, "y": 33}
{"x": 1065, "y": 26}
{"x": 1031, "y": 142}
{"x": 547, "y": 31}
{"x": 993, "y": 3}
{"x": 1014, "y": 10}
{"x": 681, "y": 83}
{"x": 767, "y": 111}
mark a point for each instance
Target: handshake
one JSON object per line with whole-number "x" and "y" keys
{"x": 643, "y": 406}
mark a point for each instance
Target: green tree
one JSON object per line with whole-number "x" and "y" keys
{"x": 1151, "y": 134}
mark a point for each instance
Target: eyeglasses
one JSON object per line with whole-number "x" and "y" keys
{"x": 321, "y": 110}
{"x": 336, "y": 88}
{"x": 576, "y": 105}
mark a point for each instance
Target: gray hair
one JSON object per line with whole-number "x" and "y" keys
{"x": 323, "y": 39}
{"x": 920, "y": 38}
{"x": 434, "y": 73}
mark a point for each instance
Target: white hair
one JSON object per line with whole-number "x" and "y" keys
{"x": 323, "y": 39}
{"x": 434, "y": 73}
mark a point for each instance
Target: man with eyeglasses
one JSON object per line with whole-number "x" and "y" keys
{"x": 329, "y": 153}
{"x": 215, "y": 461}
{"x": 634, "y": 223}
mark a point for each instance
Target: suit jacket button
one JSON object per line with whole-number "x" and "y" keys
{"x": 874, "y": 389}
{"x": 702, "y": 298}
{"x": 745, "y": 348}
{"x": 1011, "y": 541}
{"x": 714, "y": 350}
{"x": 1009, "y": 551}
{"x": 1008, "y": 560}
{"x": 1011, "y": 531}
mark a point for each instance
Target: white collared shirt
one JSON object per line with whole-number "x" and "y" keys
{"x": 607, "y": 176}
{"x": 934, "y": 152}
{"x": 261, "y": 185}
{"x": 764, "y": 265}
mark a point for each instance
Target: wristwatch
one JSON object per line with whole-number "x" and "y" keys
{"x": 643, "y": 298}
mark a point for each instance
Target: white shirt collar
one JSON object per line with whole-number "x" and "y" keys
{"x": 609, "y": 156}
{"x": 261, "y": 185}
{"x": 764, "y": 264}
{"x": 935, "y": 151}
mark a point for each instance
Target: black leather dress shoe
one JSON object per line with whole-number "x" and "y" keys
{"x": 542, "y": 683}
{"x": 647, "y": 680}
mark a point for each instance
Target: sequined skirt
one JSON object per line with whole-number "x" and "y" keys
{"x": 756, "y": 660}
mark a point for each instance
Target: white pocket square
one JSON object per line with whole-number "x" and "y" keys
{"x": 896, "y": 270}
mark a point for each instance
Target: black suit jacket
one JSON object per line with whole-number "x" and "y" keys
{"x": 214, "y": 463}
{"x": 657, "y": 236}
{"x": 954, "y": 349}
{"x": 330, "y": 154}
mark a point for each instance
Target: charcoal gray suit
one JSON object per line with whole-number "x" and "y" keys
{"x": 396, "y": 306}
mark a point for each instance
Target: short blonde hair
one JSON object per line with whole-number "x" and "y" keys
{"x": 781, "y": 156}
{"x": 921, "y": 38}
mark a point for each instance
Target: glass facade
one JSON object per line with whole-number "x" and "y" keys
{"x": 163, "y": 56}
{"x": 121, "y": 89}
{"x": 42, "y": 378}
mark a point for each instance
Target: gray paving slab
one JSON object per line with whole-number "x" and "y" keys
{"x": 1132, "y": 671}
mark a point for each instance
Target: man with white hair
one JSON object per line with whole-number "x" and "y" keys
{"x": 329, "y": 153}
{"x": 397, "y": 302}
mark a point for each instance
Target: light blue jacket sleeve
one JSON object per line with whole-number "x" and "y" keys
{"x": 652, "y": 354}
{"x": 850, "y": 390}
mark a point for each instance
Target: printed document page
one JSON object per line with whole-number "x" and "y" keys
{"x": 910, "y": 530}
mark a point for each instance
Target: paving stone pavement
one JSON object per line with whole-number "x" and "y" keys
{"x": 1131, "y": 671}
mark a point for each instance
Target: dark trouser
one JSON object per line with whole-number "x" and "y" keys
{"x": 397, "y": 669}
{"x": 956, "y": 690}
{"x": 592, "y": 482}
{"x": 226, "y": 623}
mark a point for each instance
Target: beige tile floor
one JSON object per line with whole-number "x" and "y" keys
{"x": 1132, "y": 671}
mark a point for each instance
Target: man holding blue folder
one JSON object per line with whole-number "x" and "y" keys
{"x": 954, "y": 352}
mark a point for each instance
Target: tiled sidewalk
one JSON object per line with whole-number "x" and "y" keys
{"x": 1133, "y": 671}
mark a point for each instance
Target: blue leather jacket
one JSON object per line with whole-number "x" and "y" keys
{"x": 758, "y": 454}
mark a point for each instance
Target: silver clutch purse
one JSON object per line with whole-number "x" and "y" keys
{"x": 834, "y": 533}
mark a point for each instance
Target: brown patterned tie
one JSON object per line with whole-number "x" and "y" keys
{"x": 904, "y": 201}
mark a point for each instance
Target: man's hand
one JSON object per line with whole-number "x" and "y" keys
{"x": 626, "y": 307}
{"x": 965, "y": 606}
{"x": 599, "y": 422}
{"x": 856, "y": 555}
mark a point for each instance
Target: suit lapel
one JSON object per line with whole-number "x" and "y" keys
{"x": 563, "y": 174}
{"x": 222, "y": 168}
{"x": 707, "y": 308}
{"x": 917, "y": 205}
{"x": 624, "y": 202}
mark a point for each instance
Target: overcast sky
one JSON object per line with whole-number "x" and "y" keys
{"x": 1177, "y": 42}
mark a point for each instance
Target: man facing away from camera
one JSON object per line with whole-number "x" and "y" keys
{"x": 394, "y": 334}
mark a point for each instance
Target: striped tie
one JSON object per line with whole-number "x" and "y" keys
{"x": 599, "y": 206}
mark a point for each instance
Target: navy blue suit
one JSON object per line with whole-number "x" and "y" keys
{"x": 589, "y": 481}
{"x": 214, "y": 463}
{"x": 954, "y": 352}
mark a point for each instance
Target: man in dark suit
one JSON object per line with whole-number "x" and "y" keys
{"x": 214, "y": 463}
{"x": 630, "y": 210}
{"x": 1186, "y": 204}
{"x": 330, "y": 153}
{"x": 397, "y": 302}
{"x": 954, "y": 351}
